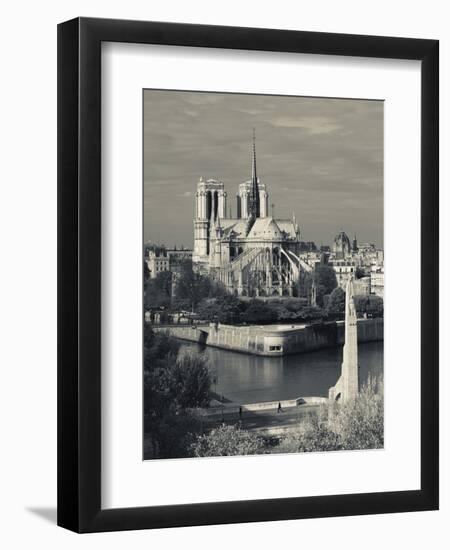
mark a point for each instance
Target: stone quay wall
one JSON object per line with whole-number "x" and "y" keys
{"x": 276, "y": 340}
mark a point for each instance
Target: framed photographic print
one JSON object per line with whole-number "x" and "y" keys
{"x": 248, "y": 275}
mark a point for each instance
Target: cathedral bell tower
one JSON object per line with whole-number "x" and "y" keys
{"x": 210, "y": 205}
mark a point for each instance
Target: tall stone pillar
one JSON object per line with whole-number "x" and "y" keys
{"x": 263, "y": 204}
{"x": 213, "y": 205}
{"x": 244, "y": 206}
{"x": 203, "y": 204}
{"x": 347, "y": 386}
{"x": 222, "y": 207}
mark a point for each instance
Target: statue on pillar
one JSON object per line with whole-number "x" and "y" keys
{"x": 347, "y": 386}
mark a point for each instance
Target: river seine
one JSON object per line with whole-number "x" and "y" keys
{"x": 246, "y": 378}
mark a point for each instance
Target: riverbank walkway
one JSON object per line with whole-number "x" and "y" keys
{"x": 268, "y": 419}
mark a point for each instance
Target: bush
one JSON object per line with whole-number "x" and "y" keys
{"x": 158, "y": 291}
{"x": 259, "y": 313}
{"x": 190, "y": 381}
{"x": 360, "y": 423}
{"x": 335, "y": 306}
{"x": 325, "y": 281}
{"x": 357, "y": 424}
{"x": 227, "y": 309}
{"x": 173, "y": 383}
{"x": 227, "y": 441}
{"x": 310, "y": 313}
{"x": 313, "y": 435}
{"x": 371, "y": 305}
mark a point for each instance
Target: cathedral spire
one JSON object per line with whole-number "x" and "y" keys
{"x": 254, "y": 206}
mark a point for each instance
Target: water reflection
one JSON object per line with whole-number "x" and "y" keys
{"x": 250, "y": 378}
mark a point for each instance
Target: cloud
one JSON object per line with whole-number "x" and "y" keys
{"x": 321, "y": 157}
{"x": 250, "y": 111}
{"x": 313, "y": 125}
{"x": 202, "y": 98}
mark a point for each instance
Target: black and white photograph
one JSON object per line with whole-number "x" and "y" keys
{"x": 263, "y": 274}
{"x": 224, "y": 297}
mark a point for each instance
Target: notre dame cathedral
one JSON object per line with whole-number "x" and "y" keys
{"x": 252, "y": 254}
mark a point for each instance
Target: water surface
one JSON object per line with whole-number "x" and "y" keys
{"x": 247, "y": 378}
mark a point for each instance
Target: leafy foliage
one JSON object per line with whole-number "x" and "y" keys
{"x": 227, "y": 441}
{"x": 312, "y": 435}
{"x": 325, "y": 280}
{"x": 146, "y": 272}
{"x": 173, "y": 383}
{"x": 227, "y": 309}
{"x": 336, "y": 304}
{"x": 191, "y": 381}
{"x": 193, "y": 287}
{"x": 357, "y": 424}
{"x": 259, "y": 312}
{"x": 371, "y": 305}
{"x": 231, "y": 310}
{"x": 360, "y": 423}
{"x": 158, "y": 291}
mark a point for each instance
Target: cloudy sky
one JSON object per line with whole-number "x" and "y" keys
{"x": 320, "y": 158}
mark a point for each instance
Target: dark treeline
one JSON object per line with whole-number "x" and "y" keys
{"x": 194, "y": 292}
{"x": 174, "y": 383}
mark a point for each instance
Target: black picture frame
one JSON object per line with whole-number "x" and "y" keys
{"x": 79, "y": 274}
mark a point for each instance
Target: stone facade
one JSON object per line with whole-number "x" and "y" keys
{"x": 253, "y": 254}
{"x": 160, "y": 259}
{"x": 377, "y": 281}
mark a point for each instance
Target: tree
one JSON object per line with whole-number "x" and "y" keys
{"x": 192, "y": 286}
{"x": 360, "y": 422}
{"x": 356, "y": 424}
{"x": 359, "y": 273}
{"x": 336, "y": 304}
{"x": 313, "y": 435}
{"x": 146, "y": 271}
{"x": 190, "y": 381}
{"x": 259, "y": 313}
{"x": 371, "y": 305}
{"x": 163, "y": 282}
{"x": 173, "y": 384}
{"x": 227, "y": 309}
{"x": 325, "y": 281}
{"x": 231, "y": 310}
{"x": 227, "y": 441}
{"x": 297, "y": 312}
{"x": 295, "y": 304}
{"x": 310, "y": 313}
{"x": 158, "y": 291}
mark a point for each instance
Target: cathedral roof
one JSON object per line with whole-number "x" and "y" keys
{"x": 262, "y": 228}
{"x": 288, "y": 226}
{"x": 233, "y": 226}
{"x": 265, "y": 228}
